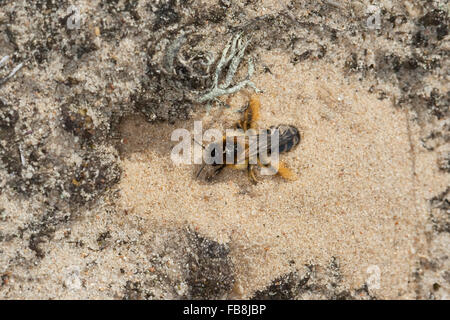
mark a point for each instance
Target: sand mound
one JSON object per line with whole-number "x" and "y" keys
{"x": 354, "y": 199}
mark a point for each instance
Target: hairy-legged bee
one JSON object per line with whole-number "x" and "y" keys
{"x": 236, "y": 153}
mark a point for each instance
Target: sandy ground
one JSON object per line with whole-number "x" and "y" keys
{"x": 357, "y": 196}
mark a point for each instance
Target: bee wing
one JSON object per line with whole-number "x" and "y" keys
{"x": 261, "y": 144}
{"x": 241, "y": 156}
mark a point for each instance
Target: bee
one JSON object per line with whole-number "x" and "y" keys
{"x": 236, "y": 153}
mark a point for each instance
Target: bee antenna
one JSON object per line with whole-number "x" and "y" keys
{"x": 199, "y": 171}
{"x": 201, "y": 145}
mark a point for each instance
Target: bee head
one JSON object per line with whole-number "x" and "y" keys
{"x": 218, "y": 153}
{"x": 214, "y": 153}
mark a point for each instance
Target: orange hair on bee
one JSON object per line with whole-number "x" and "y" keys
{"x": 285, "y": 172}
{"x": 253, "y": 112}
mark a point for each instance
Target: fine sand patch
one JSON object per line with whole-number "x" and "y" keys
{"x": 356, "y": 197}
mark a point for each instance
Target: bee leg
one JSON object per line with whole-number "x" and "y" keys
{"x": 215, "y": 173}
{"x": 251, "y": 174}
{"x": 218, "y": 170}
{"x": 254, "y": 110}
{"x": 285, "y": 172}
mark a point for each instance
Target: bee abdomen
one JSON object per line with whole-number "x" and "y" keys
{"x": 289, "y": 137}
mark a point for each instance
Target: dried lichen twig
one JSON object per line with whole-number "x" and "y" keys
{"x": 236, "y": 48}
{"x": 3, "y": 61}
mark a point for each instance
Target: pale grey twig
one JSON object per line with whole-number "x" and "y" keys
{"x": 236, "y": 46}
{"x": 22, "y": 157}
{"x": 3, "y": 61}
{"x": 173, "y": 55}
{"x": 172, "y": 52}
{"x": 234, "y": 65}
